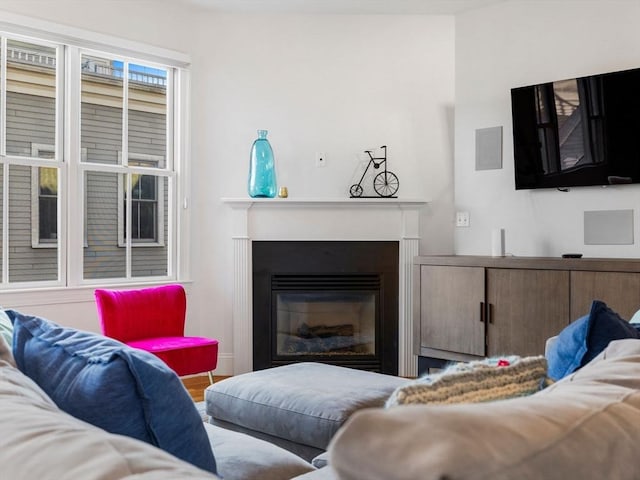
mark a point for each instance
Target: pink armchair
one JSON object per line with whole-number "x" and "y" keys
{"x": 152, "y": 319}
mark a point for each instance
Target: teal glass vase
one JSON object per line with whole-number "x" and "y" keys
{"x": 262, "y": 168}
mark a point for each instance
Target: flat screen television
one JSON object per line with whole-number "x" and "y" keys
{"x": 577, "y": 132}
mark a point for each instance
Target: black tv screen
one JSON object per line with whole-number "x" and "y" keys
{"x": 577, "y": 132}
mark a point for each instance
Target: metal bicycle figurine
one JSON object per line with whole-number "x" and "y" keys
{"x": 385, "y": 183}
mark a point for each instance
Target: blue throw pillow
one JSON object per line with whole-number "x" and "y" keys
{"x": 585, "y": 338}
{"x": 112, "y": 386}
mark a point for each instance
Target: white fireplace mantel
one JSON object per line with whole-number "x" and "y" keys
{"x": 355, "y": 202}
{"x": 368, "y": 219}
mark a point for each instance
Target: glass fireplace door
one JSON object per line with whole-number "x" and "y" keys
{"x": 325, "y": 323}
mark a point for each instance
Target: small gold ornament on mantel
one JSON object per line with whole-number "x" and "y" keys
{"x": 283, "y": 192}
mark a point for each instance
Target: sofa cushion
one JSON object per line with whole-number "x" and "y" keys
{"x": 39, "y": 441}
{"x": 112, "y": 386}
{"x": 6, "y": 328}
{"x": 5, "y": 352}
{"x": 325, "y": 473}
{"x": 477, "y": 381}
{"x": 241, "y": 457}
{"x": 584, "y": 426}
{"x": 585, "y": 338}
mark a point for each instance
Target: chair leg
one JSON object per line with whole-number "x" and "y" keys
{"x": 210, "y": 377}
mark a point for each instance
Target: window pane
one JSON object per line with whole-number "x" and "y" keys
{"x": 31, "y": 92}
{"x": 103, "y": 256}
{"x": 150, "y": 224}
{"x": 47, "y": 205}
{"x": 101, "y": 109}
{"x": 144, "y": 209}
{"x": 144, "y": 187}
{"x": 144, "y": 221}
{"x": 27, "y": 262}
{"x": 148, "y": 112}
{"x": 326, "y": 323}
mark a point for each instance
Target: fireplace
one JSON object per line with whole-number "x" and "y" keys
{"x": 315, "y": 219}
{"x": 326, "y": 301}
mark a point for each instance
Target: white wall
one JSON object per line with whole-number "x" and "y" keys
{"x": 336, "y": 84}
{"x": 161, "y": 23}
{"x": 521, "y": 43}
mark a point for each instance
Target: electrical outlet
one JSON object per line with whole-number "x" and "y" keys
{"x": 321, "y": 159}
{"x": 462, "y": 219}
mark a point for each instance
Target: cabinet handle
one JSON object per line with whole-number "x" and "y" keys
{"x": 482, "y": 312}
{"x": 490, "y": 312}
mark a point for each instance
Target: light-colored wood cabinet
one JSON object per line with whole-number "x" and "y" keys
{"x": 451, "y": 302}
{"x": 470, "y": 307}
{"x": 620, "y": 291}
{"x": 525, "y": 307}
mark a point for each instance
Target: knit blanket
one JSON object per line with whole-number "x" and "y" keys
{"x": 477, "y": 381}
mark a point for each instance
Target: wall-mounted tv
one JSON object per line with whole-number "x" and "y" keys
{"x": 577, "y": 132}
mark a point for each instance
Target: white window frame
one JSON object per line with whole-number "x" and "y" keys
{"x": 32, "y": 162}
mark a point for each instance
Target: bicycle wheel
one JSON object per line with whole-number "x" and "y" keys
{"x": 355, "y": 190}
{"x": 386, "y": 184}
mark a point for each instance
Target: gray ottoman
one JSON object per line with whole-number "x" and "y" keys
{"x": 299, "y": 406}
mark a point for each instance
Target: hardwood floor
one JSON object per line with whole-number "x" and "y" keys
{"x": 196, "y": 385}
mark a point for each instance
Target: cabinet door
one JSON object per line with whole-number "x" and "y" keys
{"x": 525, "y": 308}
{"x": 619, "y": 290}
{"x": 451, "y": 302}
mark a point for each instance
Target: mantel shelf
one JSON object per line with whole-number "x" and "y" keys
{"x": 323, "y": 202}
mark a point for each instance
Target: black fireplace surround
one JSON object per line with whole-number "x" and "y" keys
{"x": 334, "y": 302}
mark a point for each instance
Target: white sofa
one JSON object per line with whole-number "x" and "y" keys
{"x": 40, "y": 441}
{"x": 585, "y": 426}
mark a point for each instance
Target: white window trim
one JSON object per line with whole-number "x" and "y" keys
{"x": 79, "y": 37}
{"x": 157, "y": 159}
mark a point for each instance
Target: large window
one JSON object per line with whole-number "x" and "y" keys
{"x": 88, "y": 179}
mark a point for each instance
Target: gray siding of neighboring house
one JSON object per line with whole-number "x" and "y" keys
{"x": 147, "y": 134}
{"x": 102, "y": 138}
{"x": 32, "y": 121}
